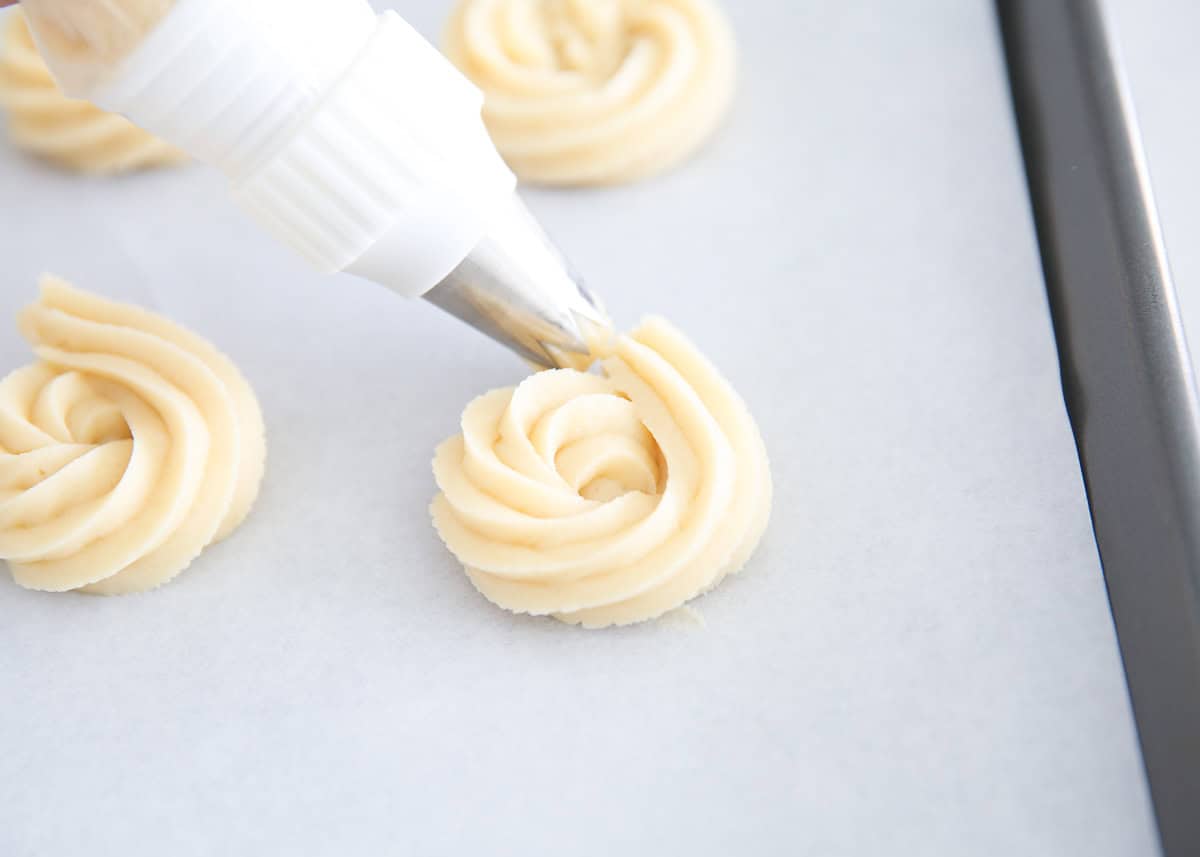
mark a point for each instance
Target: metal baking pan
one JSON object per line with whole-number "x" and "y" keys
{"x": 1126, "y": 374}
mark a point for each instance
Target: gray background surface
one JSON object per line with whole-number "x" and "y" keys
{"x": 919, "y": 660}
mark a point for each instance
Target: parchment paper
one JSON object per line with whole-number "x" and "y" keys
{"x": 919, "y": 660}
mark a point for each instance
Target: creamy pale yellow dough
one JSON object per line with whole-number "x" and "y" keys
{"x": 71, "y": 133}
{"x": 606, "y": 499}
{"x": 125, "y": 450}
{"x": 595, "y": 91}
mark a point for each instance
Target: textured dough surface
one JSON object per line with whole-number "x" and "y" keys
{"x": 71, "y": 133}
{"x": 130, "y": 446}
{"x": 595, "y": 91}
{"x": 606, "y": 499}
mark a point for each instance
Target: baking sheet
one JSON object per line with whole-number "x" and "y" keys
{"x": 1164, "y": 74}
{"x": 919, "y": 659}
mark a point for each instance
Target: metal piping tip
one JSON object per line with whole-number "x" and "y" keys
{"x": 517, "y": 288}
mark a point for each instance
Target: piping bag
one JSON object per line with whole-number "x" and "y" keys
{"x": 347, "y": 136}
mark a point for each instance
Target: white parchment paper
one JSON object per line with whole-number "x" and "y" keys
{"x": 919, "y": 660}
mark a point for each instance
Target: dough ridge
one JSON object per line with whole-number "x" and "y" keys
{"x": 68, "y": 132}
{"x": 606, "y": 499}
{"x": 125, "y": 450}
{"x": 581, "y": 92}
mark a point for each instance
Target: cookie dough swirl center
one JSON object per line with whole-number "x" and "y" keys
{"x": 595, "y": 91}
{"x": 605, "y": 499}
{"x": 128, "y": 447}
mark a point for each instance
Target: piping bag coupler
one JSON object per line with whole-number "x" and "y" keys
{"x": 355, "y": 142}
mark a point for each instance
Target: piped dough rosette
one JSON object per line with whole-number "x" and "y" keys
{"x": 71, "y": 133}
{"x": 125, "y": 450}
{"x": 606, "y": 499}
{"x": 595, "y": 91}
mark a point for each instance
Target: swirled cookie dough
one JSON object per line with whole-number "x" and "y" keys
{"x": 125, "y": 450}
{"x": 606, "y": 499}
{"x": 595, "y": 91}
{"x": 71, "y": 133}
